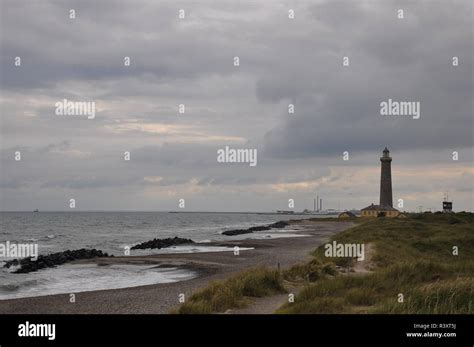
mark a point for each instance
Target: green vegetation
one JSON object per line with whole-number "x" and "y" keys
{"x": 234, "y": 292}
{"x": 412, "y": 256}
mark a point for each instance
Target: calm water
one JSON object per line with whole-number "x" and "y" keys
{"x": 111, "y": 232}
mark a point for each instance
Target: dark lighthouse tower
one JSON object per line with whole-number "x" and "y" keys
{"x": 385, "y": 208}
{"x": 386, "y": 179}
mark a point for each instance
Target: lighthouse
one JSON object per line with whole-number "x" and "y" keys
{"x": 385, "y": 206}
{"x": 386, "y": 179}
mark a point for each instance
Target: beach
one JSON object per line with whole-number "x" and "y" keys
{"x": 161, "y": 298}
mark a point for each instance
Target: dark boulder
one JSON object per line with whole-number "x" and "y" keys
{"x": 162, "y": 243}
{"x": 250, "y": 230}
{"x": 279, "y": 225}
{"x": 259, "y": 228}
{"x": 51, "y": 260}
{"x": 236, "y": 232}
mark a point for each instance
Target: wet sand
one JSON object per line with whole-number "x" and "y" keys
{"x": 161, "y": 298}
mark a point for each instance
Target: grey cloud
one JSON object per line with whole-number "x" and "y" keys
{"x": 343, "y": 113}
{"x": 190, "y": 62}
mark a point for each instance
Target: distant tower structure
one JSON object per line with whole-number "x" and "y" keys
{"x": 386, "y": 180}
{"x": 447, "y": 205}
{"x": 385, "y": 208}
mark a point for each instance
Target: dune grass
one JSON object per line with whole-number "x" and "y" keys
{"x": 413, "y": 257}
{"x": 234, "y": 292}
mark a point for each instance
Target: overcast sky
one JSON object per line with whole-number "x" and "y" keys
{"x": 190, "y": 61}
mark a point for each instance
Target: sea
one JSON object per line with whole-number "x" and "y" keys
{"x": 112, "y": 232}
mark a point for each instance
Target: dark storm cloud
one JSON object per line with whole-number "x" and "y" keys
{"x": 92, "y": 47}
{"x": 405, "y": 60}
